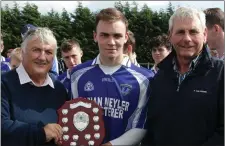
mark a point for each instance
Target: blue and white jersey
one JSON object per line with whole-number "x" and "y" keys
{"x": 5, "y": 67}
{"x": 64, "y": 78}
{"x": 122, "y": 92}
{"x": 7, "y": 60}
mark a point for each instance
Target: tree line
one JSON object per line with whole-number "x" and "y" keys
{"x": 144, "y": 23}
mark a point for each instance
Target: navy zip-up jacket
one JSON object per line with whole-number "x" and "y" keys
{"x": 194, "y": 115}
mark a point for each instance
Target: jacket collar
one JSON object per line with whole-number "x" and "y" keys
{"x": 24, "y": 77}
{"x": 205, "y": 62}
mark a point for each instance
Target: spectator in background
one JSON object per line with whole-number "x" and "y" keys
{"x": 8, "y": 53}
{"x": 215, "y": 26}
{"x": 4, "y": 65}
{"x": 186, "y": 104}
{"x": 71, "y": 54}
{"x": 62, "y": 66}
{"x": 15, "y": 58}
{"x": 161, "y": 48}
{"x": 2, "y": 48}
{"x": 129, "y": 48}
{"x": 30, "y": 96}
{"x": 54, "y": 70}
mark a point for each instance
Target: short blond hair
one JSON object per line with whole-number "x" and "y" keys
{"x": 111, "y": 15}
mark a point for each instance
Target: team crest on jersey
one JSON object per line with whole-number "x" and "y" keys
{"x": 125, "y": 89}
{"x": 89, "y": 86}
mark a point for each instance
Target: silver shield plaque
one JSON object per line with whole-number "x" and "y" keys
{"x": 80, "y": 120}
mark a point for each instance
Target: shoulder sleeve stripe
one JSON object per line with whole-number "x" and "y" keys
{"x": 139, "y": 115}
{"x": 75, "y": 78}
{"x": 94, "y": 61}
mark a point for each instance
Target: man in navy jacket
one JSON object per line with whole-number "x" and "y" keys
{"x": 186, "y": 103}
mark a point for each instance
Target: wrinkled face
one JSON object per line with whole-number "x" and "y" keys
{"x": 159, "y": 53}
{"x": 72, "y": 57}
{"x": 187, "y": 37}
{"x": 111, "y": 37}
{"x": 38, "y": 57}
{"x": 14, "y": 62}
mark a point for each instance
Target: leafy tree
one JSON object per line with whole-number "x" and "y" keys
{"x": 170, "y": 9}
{"x": 11, "y": 26}
{"x": 119, "y": 6}
{"x": 80, "y": 24}
{"x": 83, "y": 25}
{"x": 30, "y": 15}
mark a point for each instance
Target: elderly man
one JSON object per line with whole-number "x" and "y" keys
{"x": 54, "y": 69}
{"x": 30, "y": 97}
{"x": 215, "y": 26}
{"x": 117, "y": 85}
{"x": 186, "y": 104}
{"x": 71, "y": 54}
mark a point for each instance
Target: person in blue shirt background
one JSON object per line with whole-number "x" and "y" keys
{"x": 5, "y": 67}
{"x": 113, "y": 82}
{"x": 71, "y": 54}
{"x": 9, "y": 51}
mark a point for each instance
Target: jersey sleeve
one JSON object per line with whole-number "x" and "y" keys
{"x": 139, "y": 116}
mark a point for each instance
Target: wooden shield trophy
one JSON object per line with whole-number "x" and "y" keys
{"x": 82, "y": 122}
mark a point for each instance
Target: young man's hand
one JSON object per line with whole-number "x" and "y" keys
{"x": 107, "y": 144}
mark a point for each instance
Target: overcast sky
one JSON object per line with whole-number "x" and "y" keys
{"x": 70, "y": 6}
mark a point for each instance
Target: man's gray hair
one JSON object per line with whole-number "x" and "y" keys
{"x": 45, "y": 35}
{"x": 186, "y": 12}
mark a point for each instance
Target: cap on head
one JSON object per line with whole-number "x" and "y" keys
{"x": 26, "y": 28}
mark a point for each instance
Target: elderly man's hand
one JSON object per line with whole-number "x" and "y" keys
{"x": 53, "y": 131}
